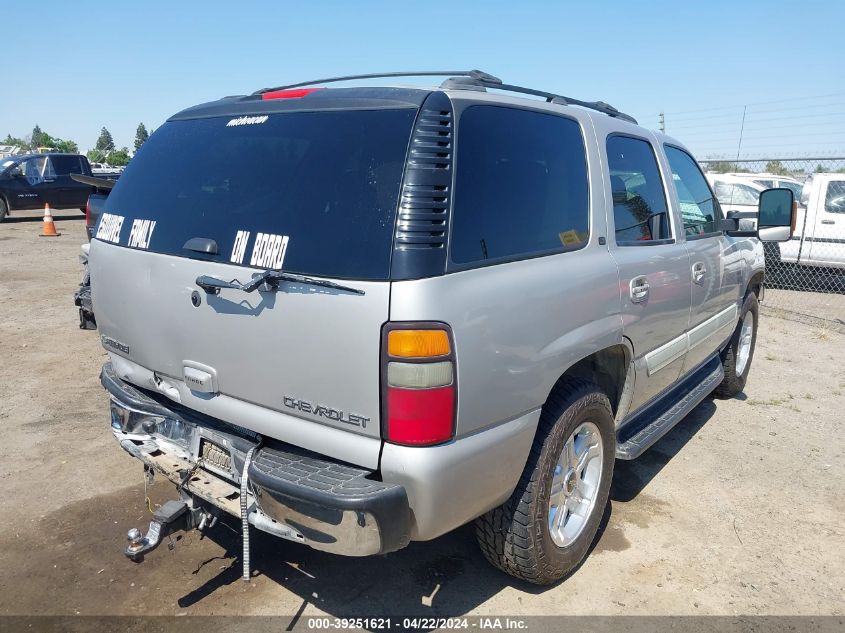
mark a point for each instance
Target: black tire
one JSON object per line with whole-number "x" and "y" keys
{"x": 734, "y": 381}
{"x": 4, "y": 209}
{"x": 515, "y": 537}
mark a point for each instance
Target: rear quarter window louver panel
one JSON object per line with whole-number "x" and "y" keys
{"x": 422, "y": 224}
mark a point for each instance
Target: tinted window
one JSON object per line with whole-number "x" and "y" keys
{"x": 64, "y": 165}
{"x": 640, "y": 212}
{"x": 834, "y": 199}
{"x": 329, "y": 181}
{"x": 700, "y": 212}
{"x": 521, "y": 185}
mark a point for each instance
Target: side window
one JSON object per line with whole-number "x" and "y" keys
{"x": 729, "y": 194}
{"x": 794, "y": 186}
{"x": 700, "y": 211}
{"x": 834, "y": 199}
{"x": 35, "y": 170}
{"x": 640, "y": 212}
{"x": 66, "y": 165}
{"x": 768, "y": 184}
{"x": 722, "y": 191}
{"x": 521, "y": 186}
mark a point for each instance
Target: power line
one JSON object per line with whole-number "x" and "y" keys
{"x": 839, "y": 107}
{"x": 839, "y": 147}
{"x": 836, "y": 118}
{"x": 765, "y": 136}
{"x": 741, "y": 105}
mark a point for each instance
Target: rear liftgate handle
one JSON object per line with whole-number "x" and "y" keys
{"x": 639, "y": 289}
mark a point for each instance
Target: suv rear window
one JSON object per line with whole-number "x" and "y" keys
{"x": 521, "y": 185}
{"x": 328, "y": 181}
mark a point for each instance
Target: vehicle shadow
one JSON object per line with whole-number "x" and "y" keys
{"x": 630, "y": 477}
{"x": 14, "y": 219}
{"x": 441, "y": 578}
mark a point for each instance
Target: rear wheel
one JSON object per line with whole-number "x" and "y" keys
{"x": 4, "y": 210}
{"x": 545, "y": 529}
{"x": 736, "y": 357}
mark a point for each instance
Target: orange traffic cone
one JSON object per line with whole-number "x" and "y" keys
{"x": 49, "y": 227}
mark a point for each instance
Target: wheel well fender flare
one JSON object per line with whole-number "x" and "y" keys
{"x": 611, "y": 368}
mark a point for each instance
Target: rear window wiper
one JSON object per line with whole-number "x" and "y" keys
{"x": 268, "y": 281}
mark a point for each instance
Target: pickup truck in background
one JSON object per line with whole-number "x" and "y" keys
{"x": 818, "y": 244}
{"x": 30, "y": 181}
{"x": 93, "y": 209}
{"x": 100, "y": 189}
{"x": 819, "y": 239}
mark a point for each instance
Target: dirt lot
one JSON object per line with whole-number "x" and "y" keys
{"x": 739, "y": 510}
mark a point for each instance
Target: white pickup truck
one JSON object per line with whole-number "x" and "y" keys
{"x": 819, "y": 238}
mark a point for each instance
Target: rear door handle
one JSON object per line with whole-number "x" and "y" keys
{"x": 699, "y": 270}
{"x": 639, "y": 289}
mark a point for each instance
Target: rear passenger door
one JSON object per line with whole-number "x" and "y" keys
{"x": 69, "y": 193}
{"x": 653, "y": 265}
{"x": 716, "y": 263}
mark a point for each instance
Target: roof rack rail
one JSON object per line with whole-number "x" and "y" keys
{"x": 599, "y": 106}
{"x": 478, "y": 75}
{"x": 469, "y": 79}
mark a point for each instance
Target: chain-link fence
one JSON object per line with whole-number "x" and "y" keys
{"x": 805, "y": 277}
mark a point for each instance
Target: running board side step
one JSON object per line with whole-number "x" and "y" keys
{"x": 648, "y": 426}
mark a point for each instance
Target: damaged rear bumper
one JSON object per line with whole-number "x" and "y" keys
{"x": 82, "y": 300}
{"x": 294, "y": 494}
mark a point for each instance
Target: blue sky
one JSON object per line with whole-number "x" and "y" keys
{"x": 73, "y": 67}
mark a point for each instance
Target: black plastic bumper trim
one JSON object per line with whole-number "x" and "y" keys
{"x": 323, "y": 490}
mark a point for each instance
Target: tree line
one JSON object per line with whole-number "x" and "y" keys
{"x": 104, "y": 150}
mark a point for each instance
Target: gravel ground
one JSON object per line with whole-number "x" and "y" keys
{"x": 739, "y": 510}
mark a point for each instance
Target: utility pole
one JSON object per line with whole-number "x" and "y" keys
{"x": 662, "y": 123}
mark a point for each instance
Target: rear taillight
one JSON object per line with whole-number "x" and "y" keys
{"x": 418, "y": 383}
{"x": 88, "y": 213}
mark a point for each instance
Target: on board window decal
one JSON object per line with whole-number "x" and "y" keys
{"x": 268, "y": 251}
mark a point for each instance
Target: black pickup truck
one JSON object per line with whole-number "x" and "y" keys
{"x": 32, "y": 180}
{"x": 100, "y": 188}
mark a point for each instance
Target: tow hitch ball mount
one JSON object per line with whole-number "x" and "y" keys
{"x": 169, "y": 518}
{"x": 173, "y": 516}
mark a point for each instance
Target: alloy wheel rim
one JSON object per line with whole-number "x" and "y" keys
{"x": 746, "y": 335}
{"x": 575, "y": 484}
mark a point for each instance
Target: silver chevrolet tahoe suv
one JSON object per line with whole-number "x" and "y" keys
{"x": 358, "y": 317}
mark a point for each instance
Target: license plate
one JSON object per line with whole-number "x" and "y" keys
{"x": 213, "y": 455}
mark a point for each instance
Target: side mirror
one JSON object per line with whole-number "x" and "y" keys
{"x": 776, "y": 215}
{"x": 16, "y": 172}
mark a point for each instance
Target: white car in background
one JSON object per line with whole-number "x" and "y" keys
{"x": 773, "y": 181}
{"x": 737, "y": 193}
